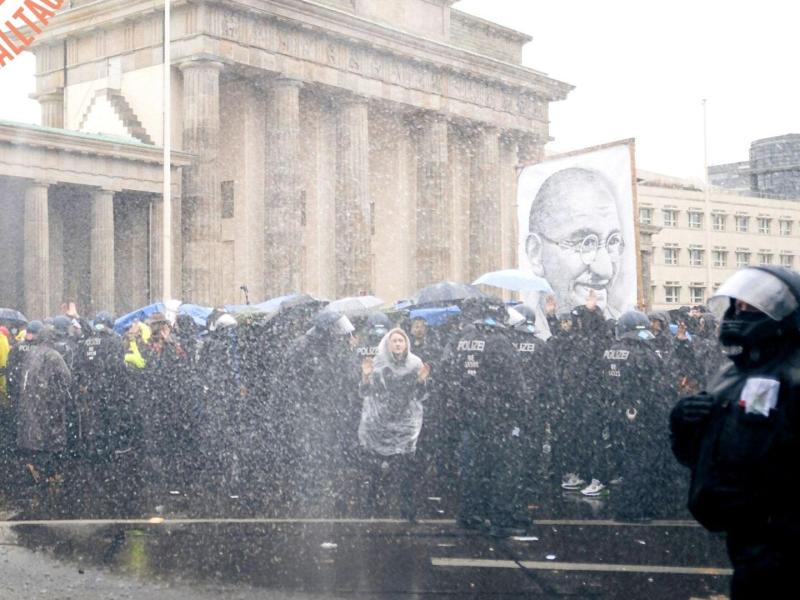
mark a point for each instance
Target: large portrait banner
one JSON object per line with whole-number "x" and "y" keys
{"x": 577, "y": 227}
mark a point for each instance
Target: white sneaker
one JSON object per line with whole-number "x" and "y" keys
{"x": 593, "y": 489}
{"x": 572, "y": 482}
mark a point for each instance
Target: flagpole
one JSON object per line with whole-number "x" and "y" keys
{"x": 166, "y": 233}
{"x": 707, "y": 203}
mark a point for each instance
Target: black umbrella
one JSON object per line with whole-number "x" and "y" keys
{"x": 445, "y": 292}
{"x": 13, "y": 316}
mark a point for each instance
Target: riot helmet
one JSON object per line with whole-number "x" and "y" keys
{"x": 104, "y": 319}
{"x": 332, "y": 323}
{"x": 633, "y": 325}
{"x": 378, "y": 324}
{"x": 758, "y": 308}
{"x": 484, "y": 310}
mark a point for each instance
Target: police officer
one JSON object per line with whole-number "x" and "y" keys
{"x": 485, "y": 392}
{"x": 629, "y": 444}
{"x": 102, "y": 402}
{"x": 539, "y": 406}
{"x": 375, "y": 327}
{"x": 318, "y": 389}
{"x": 741, "y": 437}
{"x": 65, "y": 341}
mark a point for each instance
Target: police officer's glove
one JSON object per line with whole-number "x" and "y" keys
{"x": 693, "y": 409}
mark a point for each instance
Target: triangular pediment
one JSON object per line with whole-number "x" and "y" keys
{"x": 110, "y": 114}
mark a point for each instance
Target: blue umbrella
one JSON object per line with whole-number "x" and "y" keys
{"x": 515, "y": 280}
{"x": 435, "y": 316}
{"x": 445, "y": 292}
{"x": 122, "y": 324}
{"x": 198, "y": 313}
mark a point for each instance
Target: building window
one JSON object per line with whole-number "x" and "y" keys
{"x": 787, "y": 260}
{"x": 671, "y": 256}
{"x": 697, "y": 294}
{"x": 718, "y": 222}
{"x": 228, "y": 199}
{"x": 720, "y": 258}
{"x": 742, "y": 258}
{"x": 742, "y": 224}
{"x": 695, "y": 257}
{"x": 786, "y": 227}
{"x": 764, "y": 225}
{"x": 764, "y": 258}
{"x": 646, "y": 216}
{"x": 695, "y": 219}
{"x": 670, "y": 217}
{"x": 672, "y": 294}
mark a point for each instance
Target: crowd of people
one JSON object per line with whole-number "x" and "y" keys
{"x": 307, "y": 412}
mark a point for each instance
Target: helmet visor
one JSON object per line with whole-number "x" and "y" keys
{"x": 343, "y": 326}
{"x": 514, "y": 318}
{"x": 759, "y": 289}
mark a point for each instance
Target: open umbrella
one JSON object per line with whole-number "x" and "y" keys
{"x": 445, "y": 292}
{"x": 13, "y": 316}
{"x": 434, "y": 317}
{"x": 515, "y": 280}
{"x": 268, "y": 307}
{"x": 355, "y": 305}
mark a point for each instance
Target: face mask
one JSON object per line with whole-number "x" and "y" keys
{"x": 750, "y": 337}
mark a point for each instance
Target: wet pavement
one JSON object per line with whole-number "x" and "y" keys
{"x": 382, "y": 559}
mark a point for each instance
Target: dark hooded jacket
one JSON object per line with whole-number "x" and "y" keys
{"x": 44, "y": 400}
{"x": 482, "y": 382}
{"x": 100, "y": 391}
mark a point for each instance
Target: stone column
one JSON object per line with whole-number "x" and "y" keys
{"x": 56, "y": 228}
{"x": 530, "y": 148}
{"x": 102, "y": 251}
{"x": 37, "y": 251}
{"x": 485, "y": 211}
{"x": 283, "y": 248}
{"x": 353, "y": 212}
{"x": 201, "y": 195}
{"x": 52, "y": 109}
{"x": 434, "y": 203}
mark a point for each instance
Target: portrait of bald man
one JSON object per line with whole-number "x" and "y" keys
{"x": 575, "y": 238}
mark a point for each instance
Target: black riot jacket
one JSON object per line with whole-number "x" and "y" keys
{"x": 99, "y": 391}
{"x": 482, "y": 380}
{"x": 744, "y": 463}
{"x": 635, "y": 388}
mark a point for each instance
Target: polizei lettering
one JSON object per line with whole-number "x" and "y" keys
{"x": 616, "y": 354}
{"x": 471, "y": 345}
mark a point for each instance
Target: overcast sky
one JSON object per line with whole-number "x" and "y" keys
{"x": 640, "y": 69}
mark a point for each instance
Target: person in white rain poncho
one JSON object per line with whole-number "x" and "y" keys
{"x": 393, "y": 388}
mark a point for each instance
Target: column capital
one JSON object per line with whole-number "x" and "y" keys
{"x": 349, "y": 99}
{"x": 424, "y": 118}
{"x": 201, "y": 61}
{"x": 32, "y": 183}
{"x": 284, "y": 81}
{"x": 56, "y": 95}
{"x": 100, "y": 192}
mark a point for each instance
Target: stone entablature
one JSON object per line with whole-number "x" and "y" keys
{"x": 307, "y": 41}
{"x": 53, "y": 155}
{"x": 482, "y": 36}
